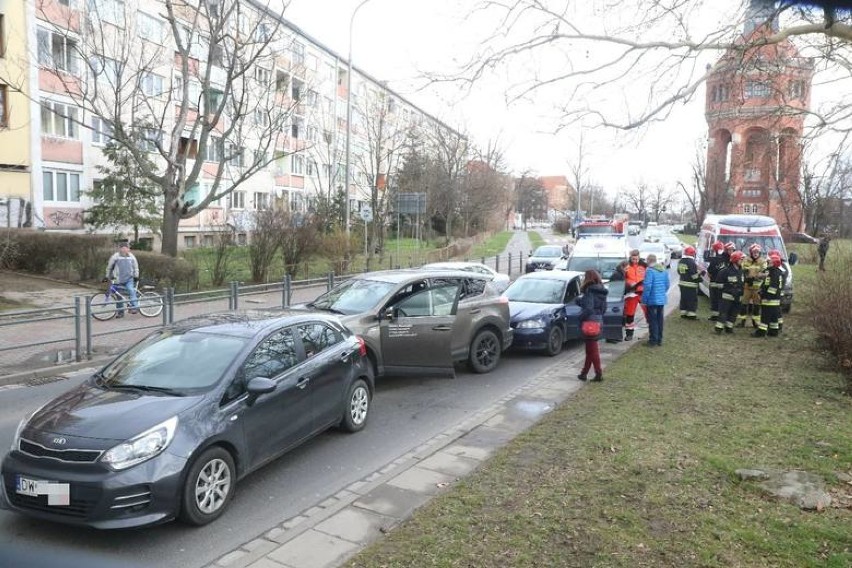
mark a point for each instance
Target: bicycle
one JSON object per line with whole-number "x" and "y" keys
{"x": 104, "y": 305}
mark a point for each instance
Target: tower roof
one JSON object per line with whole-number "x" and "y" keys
{"x": 759, "y": 13}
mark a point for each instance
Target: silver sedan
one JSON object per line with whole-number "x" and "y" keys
{"x": 499, "y": 281}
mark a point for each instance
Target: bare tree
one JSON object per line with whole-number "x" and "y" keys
{"x": 638, "y": 199}
{"x": 451, "y": 154}
{"x": 661, "y": 200}
{"x": 532, "y": 198}
{"x": 825, "y": 185}
{"x": 194, "y": 85}
{"x": 483, "y": 194}
{"x": 654, "y": 51}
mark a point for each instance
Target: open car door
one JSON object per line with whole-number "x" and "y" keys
{"x": 614, "y": 315}
{"x": 417, "y": 332}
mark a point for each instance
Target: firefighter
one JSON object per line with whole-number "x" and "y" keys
{"x": 689, "y": 276}
{"x": 754, "y": 271}
{"x": 784, "y": 275}
{"x": 732, "y": 290}
{"x": 634, "y": 275}
{"x": 717, "y": 263}
{"x": 770, "y": 297}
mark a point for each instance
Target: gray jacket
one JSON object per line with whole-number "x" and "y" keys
{"x": 124, "y": 267}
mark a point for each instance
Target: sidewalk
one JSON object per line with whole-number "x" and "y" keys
{"x": 330, "y": 533}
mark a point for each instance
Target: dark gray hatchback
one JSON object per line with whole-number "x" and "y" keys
{"x": 167, "y": 428}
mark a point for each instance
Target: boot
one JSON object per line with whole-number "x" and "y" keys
{"x": 758, "y": 333}
{"x": 581, "y": 376}
{"x": 754, "y": 324}
{"x": 729, "y": 330}
{"x": 741, "y": 322}
{"x": 598, "y": 378}
{"x": 628, "y": 335}
{"x": 718, "y": 330}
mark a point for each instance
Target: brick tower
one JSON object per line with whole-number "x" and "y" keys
{"x": 757, "y": 98}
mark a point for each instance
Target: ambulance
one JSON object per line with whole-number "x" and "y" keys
{"x": 743, "y": 231}
{"x": 600, "y": 253}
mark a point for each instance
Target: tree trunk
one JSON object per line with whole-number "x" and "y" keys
{"x": 171, "y": 219}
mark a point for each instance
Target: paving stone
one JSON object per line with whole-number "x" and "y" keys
{"x": 421, "y": 480}
{"x": 450, "y": 464}
{"x": 392, "y": 501}
{"x": 313, "y": 549}
{"x": 355, "y": 525}
{"x": 265, "y": 563}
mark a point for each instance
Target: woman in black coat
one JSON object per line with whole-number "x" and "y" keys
{"x": 593, "y": 303}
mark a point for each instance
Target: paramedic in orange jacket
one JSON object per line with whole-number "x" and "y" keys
{"x": 634, "y": 275}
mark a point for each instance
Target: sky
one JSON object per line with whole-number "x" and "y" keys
{"x": 398, "y": 40}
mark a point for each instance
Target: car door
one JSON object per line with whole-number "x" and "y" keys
{"x": 417, "y": 331}
{"x": 572, "y": 311}
{"x": 280, "y": 419}
{"x": 614, "y": 315}
{"x": 328, "y": 362}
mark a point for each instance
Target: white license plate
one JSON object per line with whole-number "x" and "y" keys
{"x": 57, "y": 493}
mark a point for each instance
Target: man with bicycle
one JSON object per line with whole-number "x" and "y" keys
{"x": 123, "y": 266}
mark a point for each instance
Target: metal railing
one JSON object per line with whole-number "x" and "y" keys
{"x": 73, "y": 334}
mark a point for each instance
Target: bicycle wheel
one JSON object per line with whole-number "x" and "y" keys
{"x": 150, "y": 304}
{"x": 103, "y": 306}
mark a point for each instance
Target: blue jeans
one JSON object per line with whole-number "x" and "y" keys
{"x": 130, "y": 288}
{"x": 655, "y": 325}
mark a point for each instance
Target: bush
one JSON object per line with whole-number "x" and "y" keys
{"x": 64, "y": 255}
{"x": 166, "y": 270}
{"x": 562, "y": 225}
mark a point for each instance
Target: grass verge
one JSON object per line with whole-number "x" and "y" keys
{"x": 535, "y": 240}
{"x": 495, "y": 245}
{"x": 639, "y": 470}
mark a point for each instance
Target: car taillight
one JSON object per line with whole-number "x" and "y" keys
{"x": 362, "y": 347}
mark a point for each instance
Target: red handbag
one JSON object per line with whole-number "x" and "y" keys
{"x": 591, "y": 328}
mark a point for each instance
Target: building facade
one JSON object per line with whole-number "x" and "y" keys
{"x": 756, "y": 101}
{"x": 241, "y": 108}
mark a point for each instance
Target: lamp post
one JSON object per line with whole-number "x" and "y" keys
{"x": 348, "y": 173}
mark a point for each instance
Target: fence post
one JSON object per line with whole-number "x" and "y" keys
{"x": 509, "y": 263}
{"x": 329, "y": 281}
{"x": 78, "y": 341}
{"x": 88, "y": 330}
{"x": 234, "y": 299}
{"x": 285, "y": 291}
{"x": 521, "y": 262}
{"x": 172, "y": 305}
{"x": 166, "y": 306}
{"x": 497, "y": 262}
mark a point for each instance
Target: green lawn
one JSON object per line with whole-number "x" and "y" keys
{"x": 535, "y": 239}
{"x": 493, "y": 246}
{"x": 638, "y": 471}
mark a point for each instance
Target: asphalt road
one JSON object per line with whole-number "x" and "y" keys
{"x": 407, "y": 412}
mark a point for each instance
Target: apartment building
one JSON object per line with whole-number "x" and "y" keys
{"x": 239, "y": 110}
{"x": 15, "y": 134}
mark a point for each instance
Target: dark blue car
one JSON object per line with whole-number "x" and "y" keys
{"x": 169, "y": 426}
{"x": 544, "y": 315}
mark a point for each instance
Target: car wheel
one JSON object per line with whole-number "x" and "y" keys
{"x": 357, "y": 407}
{"x": 485, "y": 352}
{"x": 555, "y": 340}
{"x": 208, "y": 488}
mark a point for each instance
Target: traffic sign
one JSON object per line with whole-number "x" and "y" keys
{"x": 366, "y": 213}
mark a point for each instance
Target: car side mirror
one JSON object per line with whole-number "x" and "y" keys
{"x": 793, "y": 258}
{"x": 258, "y": 386}
{"x": 388, "y": 314}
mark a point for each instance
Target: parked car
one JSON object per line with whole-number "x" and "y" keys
{"x": 543, "y": 258}
{"x": 419, "y": 322}
{"x": 657, "y": 249}
{"x": 498, "y": 280}
{"x": 673, "y": 244}
{"x": 545, "y": 315}
{"x": 169, "y": 426}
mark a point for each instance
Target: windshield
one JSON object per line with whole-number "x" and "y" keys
{"x": 538, "y": 291}
{"x": 548, "y": 251}
{"x": 652, "y": 247}
{"x": 605, "y": 266}
{"x": 353, "y": 296}
{"x": 174, "y": 361}
{"x": 766, "y": 242}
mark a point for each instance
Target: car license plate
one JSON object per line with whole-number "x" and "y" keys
{"x": 57, "y": 493}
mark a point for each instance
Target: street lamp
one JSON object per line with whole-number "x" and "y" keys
{"x": 348, "y": 173}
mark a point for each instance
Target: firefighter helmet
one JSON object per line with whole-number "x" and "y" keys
{"x": 730, "y": 247}
{"x": 775, "y": 260}
{"x": 737, "y": 256}
{"x": 689, "y": 251}
{"x": 773, "y": 252}
{"x": 754, "y": 248}
{"x": 718, "y": 246}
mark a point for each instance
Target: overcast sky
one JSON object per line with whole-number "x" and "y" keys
{"x": 397, "y": 40}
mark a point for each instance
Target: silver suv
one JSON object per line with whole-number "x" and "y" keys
{"x": 418, "y": 322}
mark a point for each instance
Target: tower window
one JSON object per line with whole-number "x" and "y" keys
{"x": 757, "y": 90}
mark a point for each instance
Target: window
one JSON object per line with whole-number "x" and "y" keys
{"x": 391, "y": 105}
{"x": 214, "y": 150}
{"x": 4, "y": 105}
{"x": 214, "y": 100}
{"x": 297, "y": 90}
{"x": 2, "y": 37}
{"x": 149, "y": 27}
{"x": 298, "y": 50}
{"x": 109, "y": 193}
{"x": 316, "y": 337}
{"x": 152, "y": 84}
{"x": 312, "y": 134}
{"x": 105, "y": 69}
{"x": 192, "y": 195}
{"x": 311, "y": 168}
{"x": 194, "y": 43}
{"x": 757, "y": 89}
{"x": 282, "y": 81}
{"x": 236, "y": 155}
{"x": 111, "y": 11}
{"x": 101, "y": 131}
{"x": 311, "y": 98}
{"x": 273, "y": 356}
{"x": 189, "y": 241}
{"x": 150, "y": 139}
{"x": 295, "y": 128}
{"x": 262, "y": 76}
{"x": 194, "y": 92}
{"x": 796, "y": 89}
{"x": 261, "y": 200}
{"x": 58, "y": 119}
{"x": 57, "y": 51}
{"x": 238, "y": 200}
{"x": 261, "y": 117}
{"x": 218, "y": 56}
{"x": 61, "y": 186}
{"x": 263, "y": 32}
{"x": 297, "y": 164}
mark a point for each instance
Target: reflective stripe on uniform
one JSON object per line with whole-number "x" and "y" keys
{"x": 688, "y": 284}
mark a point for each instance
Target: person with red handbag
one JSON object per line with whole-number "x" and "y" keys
{"x": 593, "y": 304}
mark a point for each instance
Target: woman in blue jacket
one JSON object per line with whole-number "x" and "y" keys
{"x": 654, "y": 297}
{"x": 593, "y": 303}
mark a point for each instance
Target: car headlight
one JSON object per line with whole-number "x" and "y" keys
{"x": 142, "y": 447}
{"x": 23, "y": 424}
{"x": 536, "y": 323}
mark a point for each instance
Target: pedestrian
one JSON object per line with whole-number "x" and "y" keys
{"x": 688, "y": 279}
{"x": 593, "y": 305}
{"x": 124, "y": 268}
{"x": 717, "y": 263}
{"x": 654, "y": 297}
{"x": 634, "y": 275}
{"x": 822, "y": 249}
{"x": 770, "y": 296}
{"x": 731, "y": 279}
{"x": 754, "y": 271}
